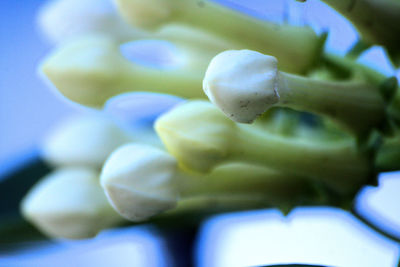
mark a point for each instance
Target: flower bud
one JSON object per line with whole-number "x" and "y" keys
{"x": 60, "y": 20}
{"x": 242, "y": 83}
{"x": 69, "y": 203}
{"x": 139, "y": 181}
{"x": 197, "y": 134}
{"x": 85, "y": 141}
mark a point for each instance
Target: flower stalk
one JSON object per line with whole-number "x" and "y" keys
{"x": 201, "y": 138}
{"x": 142, "y": 181}
{"x": 240, "y": 30}
{"x": 244, "y": 84}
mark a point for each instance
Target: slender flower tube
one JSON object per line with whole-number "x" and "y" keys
{"x": 91, "y": 70}
{"x": 60, "y": 20}
{"x": 244, "y": 84}
{"x": 237, "y": 28}
{"x": 347, "y": 68}
{"x": 142, "y": 181}
{"x": 69, "y": 203}
{"x": 378, "y": 21}
{"x": 83, "y": 141}
{"x": 200, "y": 137}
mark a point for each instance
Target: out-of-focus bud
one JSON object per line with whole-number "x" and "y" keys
{"x": 86, "y": 140}
{"x": 149, "y": 13}
{"x": 69, "y": 203}
{"x": 60, "y": 20}
{"x": 90, "y": 70}
{"x": 139, "y": 181}
{"x": 241, "y": 31}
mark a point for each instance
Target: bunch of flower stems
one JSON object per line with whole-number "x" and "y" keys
{"x": 268, "y": 120}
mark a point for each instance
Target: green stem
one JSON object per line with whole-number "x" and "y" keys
{"x": 239, "y": 178}
{"x": 357, "y": 105}
{"x": 241, "y": 30}
{"x": 347, "y": 68}
{"x": 337, "y": 163}
{"x": 201, "y": 137}
{"x": 197, "y": 207}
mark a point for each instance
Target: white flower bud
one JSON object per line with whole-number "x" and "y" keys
{"x": 69, "y": 203}
{"x": 60, "y": 20}
{"x": 139, "y": 181}
{"x": 84, "y": 140}
{"x": 242, "y": 83}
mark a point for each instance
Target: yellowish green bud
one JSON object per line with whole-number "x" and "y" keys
{"x": 197, "y": 134}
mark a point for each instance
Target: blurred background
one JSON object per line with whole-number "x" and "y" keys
{"x": 28, "y": 108}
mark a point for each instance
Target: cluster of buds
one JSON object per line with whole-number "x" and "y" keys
{"x": 285, "y": 125}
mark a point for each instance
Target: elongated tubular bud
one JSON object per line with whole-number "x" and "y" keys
{"x": 201, "y": 137}
{"x": 69, "y": 203}
{"x": 297, "y": 48}
{"x": 142, "y": 181}
{"x": 245, "y": 83}
{"x": 91, "y": 70}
